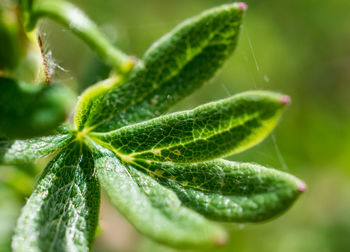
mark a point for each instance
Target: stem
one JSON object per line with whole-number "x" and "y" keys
{"x": 75, "y": 20}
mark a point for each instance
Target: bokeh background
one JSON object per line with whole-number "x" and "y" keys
{"x": 298, "y": 47}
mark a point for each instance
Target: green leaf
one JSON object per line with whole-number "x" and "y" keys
{"x": 228, "y": 191}
{"x": 210, "y": 131}
{"x": 91, "y": 99}
{"x": 10, "y": 43}
{"x": 25, "y": 151}
{"x": 10, "y": 207}
{"x": 25, "y": 7}
{"x": 171, "y": 69}
{"x": 20, "y": 56}
{"x": 62, "y": 212}
{"x": 153, "y": 210}
{"x": 28, "y": 110}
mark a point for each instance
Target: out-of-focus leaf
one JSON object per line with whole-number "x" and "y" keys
{"x": 20, "y": 54}
{"x": 28, "y": 111}
{"x": 10, "y": 207}
{"x": 10, "y": 41}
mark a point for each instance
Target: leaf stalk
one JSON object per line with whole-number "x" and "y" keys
{"x": 76, "y": 21}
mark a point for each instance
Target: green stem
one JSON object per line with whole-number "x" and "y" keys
{"x": 75, "y": 20}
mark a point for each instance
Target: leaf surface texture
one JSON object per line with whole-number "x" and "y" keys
{"x": 62, "y": 212}
{"x": 210, "y": 131}
{"x": 153, "y": 209}
{"x": 175, "y": 66}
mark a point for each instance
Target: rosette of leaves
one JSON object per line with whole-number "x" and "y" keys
{"x": 162, "y": 172}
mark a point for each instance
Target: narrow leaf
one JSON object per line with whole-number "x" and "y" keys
{"x": 28, "y": 111}
{"x": 62, "y": 212}
{"x": 228, "y": 191}
{"x": 171, "y": 69}
{"x": 153, "y": 210}
{"x": 210, "y": 131}
{"x": 25, "y": 151}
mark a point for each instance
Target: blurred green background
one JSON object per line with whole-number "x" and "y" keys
{"x": 298, "y": 47}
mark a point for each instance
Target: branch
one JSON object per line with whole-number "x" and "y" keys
{"x": 75, "y": 20}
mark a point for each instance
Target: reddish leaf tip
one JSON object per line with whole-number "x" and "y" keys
{"x": 242, "y": 6}
{"x": 285, "y": 99}
{"x": 302, "y": 187}
{"x": 221, "y": 239}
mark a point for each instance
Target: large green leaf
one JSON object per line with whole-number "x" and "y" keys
{"x": 28, "y": 111}
{"x": 228, "y": 191}
{"x": 171, "y": 69}
{"x": 213, "y": 130}
{"x": 62, "y": 212}
{"x": 153, "y": 209}
{"x": 25, "y": 151}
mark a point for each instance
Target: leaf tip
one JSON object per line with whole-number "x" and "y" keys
{"x": 129, "y": 64}
{"x": 242, "y": 6}
{"x": 220, "y": 239}
{"x": 302, "y": 187}
{"x": 285, "y": 100}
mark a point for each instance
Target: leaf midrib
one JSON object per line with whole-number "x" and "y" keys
{"x": 95, "y": 135}
{"x": 200, "y": 188}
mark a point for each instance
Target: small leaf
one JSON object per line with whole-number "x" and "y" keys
{"x": 28, "y": 111}
{"x": 25, "y": 151}
{"x": 210, "y": 131}
{"x": 62, "y": 212}
{"x": 171, "y": 69}
{"x": 153, "y": 210}
{"x": 228, "y": 191}
{"x": 91, "y": 99}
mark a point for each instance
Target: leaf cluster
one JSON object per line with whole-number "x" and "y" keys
{"x": 163, "y": 172}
